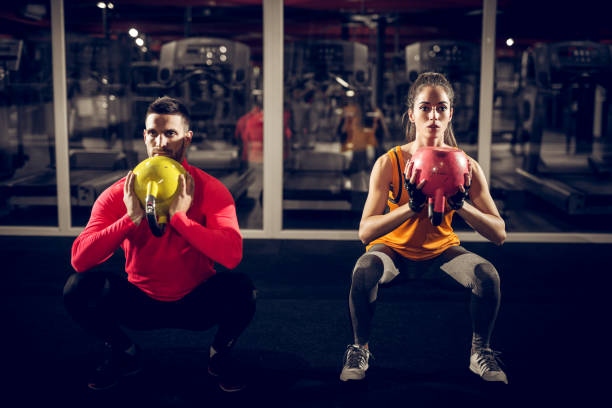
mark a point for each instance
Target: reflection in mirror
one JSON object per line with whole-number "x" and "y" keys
{"x": 27, "y": 148}
{"x": 346, "y": 89}
{"x": 121, "y": 59}
{"x": 552, "y": 140}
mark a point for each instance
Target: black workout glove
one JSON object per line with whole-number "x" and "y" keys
{"x": 417, "y": 198}
{"x": 455, "y": 202}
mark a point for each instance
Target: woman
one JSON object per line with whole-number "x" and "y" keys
{"x": 404, "y": 242}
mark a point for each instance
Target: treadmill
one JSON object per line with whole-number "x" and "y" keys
{"x": 212, "y": 76}
{"x": 565, "y": 80}
{"x": 103, "y": 115}
{"x": 459, "y": 61}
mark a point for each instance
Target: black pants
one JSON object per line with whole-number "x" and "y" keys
{"x": 101, "y": 302}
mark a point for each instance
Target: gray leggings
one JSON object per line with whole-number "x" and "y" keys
{"x": 383, "y": 266}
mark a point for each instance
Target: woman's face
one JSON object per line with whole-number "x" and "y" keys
{"x": 431, "y": 115}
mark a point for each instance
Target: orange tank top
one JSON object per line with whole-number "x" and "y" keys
{"x": 416, "y": 238}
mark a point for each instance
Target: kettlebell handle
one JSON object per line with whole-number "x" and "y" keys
{"x": 157, "y": 228}
{"x": 435, "y": 216}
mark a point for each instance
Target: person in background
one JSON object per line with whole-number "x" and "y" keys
{"x": 360, "y": 140}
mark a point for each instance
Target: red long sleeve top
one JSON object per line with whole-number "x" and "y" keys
{"x": 169, "y": 267}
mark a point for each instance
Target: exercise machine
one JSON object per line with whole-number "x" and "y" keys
{"x": 561, "y": 89}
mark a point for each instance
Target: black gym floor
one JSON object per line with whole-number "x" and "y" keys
{"x": 551, "y": 332}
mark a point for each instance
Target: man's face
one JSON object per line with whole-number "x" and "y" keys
{"x": 167, "y": 135}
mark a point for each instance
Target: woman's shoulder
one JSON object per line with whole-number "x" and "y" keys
{"x": 478, "y": 177}
{"x": 386, "y": 164}
{"x": 386, "y": 158}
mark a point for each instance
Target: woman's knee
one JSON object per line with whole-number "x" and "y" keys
{"x": 487, "y": 279}
{"x": 367, "y": 272}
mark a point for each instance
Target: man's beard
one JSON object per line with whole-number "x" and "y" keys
{"x": 177, "y": 155}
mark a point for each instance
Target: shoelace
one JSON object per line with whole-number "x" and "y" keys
{"x": 357, "y": 357}
{"x": 488, "y": 360}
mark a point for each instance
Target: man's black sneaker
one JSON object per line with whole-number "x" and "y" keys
{"x": 116, "y": 364}
{"x": 229, "y": 373}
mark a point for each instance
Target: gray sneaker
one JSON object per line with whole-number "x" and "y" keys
{"x": 355, "y": 363}
{"x": 484, "y": 362}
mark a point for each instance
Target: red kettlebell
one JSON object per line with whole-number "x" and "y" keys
{"x": 444, "y": 169}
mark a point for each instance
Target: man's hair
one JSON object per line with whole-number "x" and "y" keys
{"x": 169, "y": 106}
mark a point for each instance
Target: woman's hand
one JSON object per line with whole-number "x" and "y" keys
{"x": 481, "y": 212}
{"x": 417, "y": 198}
{"x": 455, "y": 202}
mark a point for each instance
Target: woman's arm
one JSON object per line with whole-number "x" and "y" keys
{"x": 482, "y": 215}
{"x": 374, "y": 223}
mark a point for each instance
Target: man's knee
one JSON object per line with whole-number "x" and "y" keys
{"x": 83, "y": 287}
{"x": 241, "y": 288}
{"x": 72, "y": 285}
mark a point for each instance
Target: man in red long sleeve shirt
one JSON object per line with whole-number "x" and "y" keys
{"x": 171, "y": 281}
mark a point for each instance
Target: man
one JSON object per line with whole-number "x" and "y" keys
{"x": 171, "y": 281}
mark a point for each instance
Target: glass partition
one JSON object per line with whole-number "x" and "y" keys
{"x": 347, "y": 74}
{"x": 552, "y": 142}
{"x": 28, "y": 194}
{"x": 348, "y": 65}
{"x": 122, "y": 56}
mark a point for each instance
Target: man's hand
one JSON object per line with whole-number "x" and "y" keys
{"x": 184, "y": 195}
{"x": 417, "y": 198}
{"x": 131, "y": 201}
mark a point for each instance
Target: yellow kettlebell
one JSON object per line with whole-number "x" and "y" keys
{"x": 155, "y": 185}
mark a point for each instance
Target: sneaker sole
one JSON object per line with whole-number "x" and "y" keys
{"x": 226, "y": 389}
{"x": 108, "y": 387}
{"x": 476, "y": 371}
{"x": 351, "y": 376}
{"x": 221, "y": 386}
{"x": 352, "y": 379}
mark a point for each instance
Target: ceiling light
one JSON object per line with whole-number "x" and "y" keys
{"x": 133, "y": 32}
{"x": 342, "y": 82}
